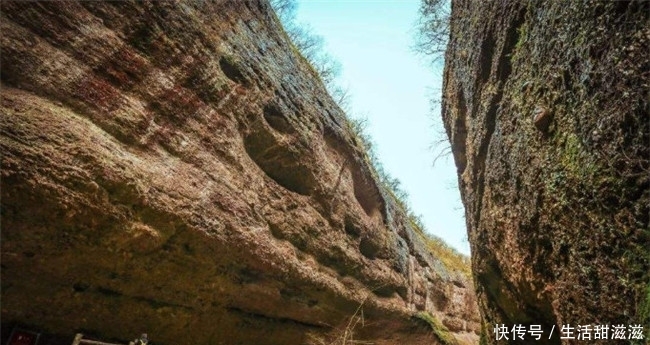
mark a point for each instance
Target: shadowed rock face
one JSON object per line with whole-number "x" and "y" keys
{"x": 546, "y": 106}
{"x": 177, "y": 169}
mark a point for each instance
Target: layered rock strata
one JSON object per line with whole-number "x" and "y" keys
{"x": 177, "y": 168}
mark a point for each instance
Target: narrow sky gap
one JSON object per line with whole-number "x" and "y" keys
{"x": 392, "y": 87}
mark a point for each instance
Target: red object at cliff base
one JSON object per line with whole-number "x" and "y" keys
{"x": 23, "y": 337}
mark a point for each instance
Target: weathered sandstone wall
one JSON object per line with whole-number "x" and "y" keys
{"x": 546, "y": 105}
{"x": 176, "y": 168}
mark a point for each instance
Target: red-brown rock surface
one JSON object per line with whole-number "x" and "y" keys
{"x": 546, "y": 105}
{"x": 176, "y": 168}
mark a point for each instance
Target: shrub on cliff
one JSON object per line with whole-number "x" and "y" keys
{"x": 308, "y": 43}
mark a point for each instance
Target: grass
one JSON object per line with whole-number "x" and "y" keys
{"x": 439, "y": 330}
{"x": 644, "y": 312}
{"x": 449, "y": 256}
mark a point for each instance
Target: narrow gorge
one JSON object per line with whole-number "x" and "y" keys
{"x": 179, "y": 168}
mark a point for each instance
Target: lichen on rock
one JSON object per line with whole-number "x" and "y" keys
{"x": 548, "y": 119}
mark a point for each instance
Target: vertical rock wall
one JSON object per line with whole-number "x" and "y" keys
{"x": 546, "y": 105}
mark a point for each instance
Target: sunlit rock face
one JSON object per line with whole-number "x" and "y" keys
{"x": 546, "y": 106}
{"x": 176, "y": 168}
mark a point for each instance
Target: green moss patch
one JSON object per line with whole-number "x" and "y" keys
{"x": 439, "y": 330}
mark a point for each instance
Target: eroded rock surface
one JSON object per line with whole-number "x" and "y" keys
{"x": 546, "y": 106}
{"x": 176, "y": 168}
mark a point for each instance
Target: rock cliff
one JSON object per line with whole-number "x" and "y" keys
{"x": 177, "y": 168}
{"x": 546, "y": 106}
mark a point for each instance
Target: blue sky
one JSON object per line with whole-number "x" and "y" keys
{"x": 391, "y": 86}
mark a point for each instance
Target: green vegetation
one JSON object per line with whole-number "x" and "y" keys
{"x": 522, "y": 34}
{"x": 596, "y": 152}
{"x": 483, "y": 338}
{"x": 309, "y": 45}
{"x": 449, "y": 256}
{"x": 576, "y": 160}
{"x": 439, "y": 330}
{"x": 644, "y": 311}
{"x": 643, "y": 314}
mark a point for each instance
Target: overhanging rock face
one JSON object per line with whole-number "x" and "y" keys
{"x": 176, "y": 168}
{"x": 546, "y": 106}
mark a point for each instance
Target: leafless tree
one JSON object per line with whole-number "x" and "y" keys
{"x": 285, "y": 9}
{"x": 310, "y": 45}
{"x": 341, "y": 96}
{"x": 433, "y": 28}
